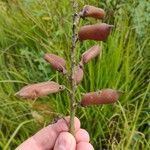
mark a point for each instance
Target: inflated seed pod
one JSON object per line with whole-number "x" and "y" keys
{"x": 97, "y": 32}
{"x": 92, "y": 11}
{"x": 40, "y": 89}
{"x": 90, "y": 54}
{"x": 105, "y": 96}
{"x": 78, "y": 73}
{"x": 57, "y": 62}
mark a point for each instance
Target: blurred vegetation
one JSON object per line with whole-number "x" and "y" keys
{"x": 29, "y": 28}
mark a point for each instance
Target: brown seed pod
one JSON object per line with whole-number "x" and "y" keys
{"x": 90, "y": 54}
{"x": 40, "y": 89}
{"x": 57, "y": 62}
{"x": 105, "y": 96}
{"x": 78, "y": 74}
{"x": 91, "y": 11}
{"x": 97, "y": 32}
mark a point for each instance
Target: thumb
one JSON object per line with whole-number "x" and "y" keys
{"x": 65, "y": 141}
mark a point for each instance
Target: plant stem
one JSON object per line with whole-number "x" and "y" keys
{"x": 76, "y": 19}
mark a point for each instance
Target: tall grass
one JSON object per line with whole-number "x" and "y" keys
{"x": 28, "y": 29}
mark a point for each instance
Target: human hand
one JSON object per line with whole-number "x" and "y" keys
{"x": 57, "y": 137}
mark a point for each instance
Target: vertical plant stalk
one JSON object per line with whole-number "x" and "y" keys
{"x": 76, "y": 19}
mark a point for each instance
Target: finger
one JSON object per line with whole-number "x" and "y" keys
{"x": 77, "y": 123}
{"x": 84, "y": 146}
{"x": 82, "y": 136}
{"x": 65, "y": 141}
{"x": 46, "y": 137}
{"x": 59, "y": 128}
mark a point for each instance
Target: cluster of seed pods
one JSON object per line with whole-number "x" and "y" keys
{"x": 97, "y": 32}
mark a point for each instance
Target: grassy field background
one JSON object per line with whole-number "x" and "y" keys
{"x": 30, "y": 28}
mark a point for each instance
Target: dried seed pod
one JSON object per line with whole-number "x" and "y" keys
{"x": 105, "y": 96}
{"x": 78, "y": 73}
{"x": 90, "y": 54}
{"x": 40, "y": 89}
{"x": 57, "y": 62}
{"x": 97, "y": 32}
{"x": 91, "y": 11}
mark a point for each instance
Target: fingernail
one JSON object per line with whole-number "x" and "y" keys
{"x": 65, "y": 141}
{"x": 65, "y": 144}
{"x": 61, "y": 147}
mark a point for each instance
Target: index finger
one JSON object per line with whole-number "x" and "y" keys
{"x": 47, "y": 136}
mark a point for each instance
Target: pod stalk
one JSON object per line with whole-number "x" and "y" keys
{"x": 76, "y": 20}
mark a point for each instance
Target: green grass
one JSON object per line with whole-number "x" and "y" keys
{"x": 28, "y": 29}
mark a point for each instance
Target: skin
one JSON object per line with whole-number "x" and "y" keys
{"x": 57, "y": 137}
